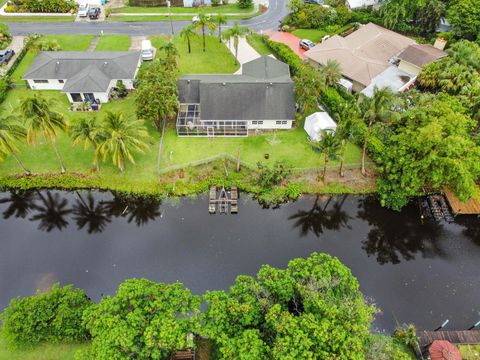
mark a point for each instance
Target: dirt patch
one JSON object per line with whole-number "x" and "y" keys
{"x": 136, "y": 42}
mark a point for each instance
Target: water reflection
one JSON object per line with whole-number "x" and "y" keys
{"x": 51, "y": 211}
{"x": 471, "y": 226}
{"x": 20, "y": 203}
{"x": 90, "y": 214}
{"x": 323, "y": 215}
{"x": 140, "y": 209}
{"x": 391, "y": 240}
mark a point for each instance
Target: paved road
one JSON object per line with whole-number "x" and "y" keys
{"x": 268, "y": 20}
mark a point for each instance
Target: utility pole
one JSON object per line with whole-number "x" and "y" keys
{"x": 169, "y": 5}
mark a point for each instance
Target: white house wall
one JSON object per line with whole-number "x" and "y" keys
{"x": 269, "y": 124}
{"x": 52, "y": 84}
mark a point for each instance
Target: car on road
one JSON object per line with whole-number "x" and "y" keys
{"x": 94, "y": 13}
{"x": 306, "y": 44}
{"x": 6, "y": 55}
{"x": 83, "y": 10}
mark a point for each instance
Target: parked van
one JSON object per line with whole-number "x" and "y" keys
{"x": 147, "y": 50}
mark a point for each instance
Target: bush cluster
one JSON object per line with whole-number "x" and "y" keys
{"x": 44, "y": 6}
{"x": 5, "y": 37}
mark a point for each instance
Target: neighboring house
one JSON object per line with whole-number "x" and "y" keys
{"x": 83, "y": 76}
{"x": 230, "y": 105}
{"x": 444, "y": 25}
{"x": 317, "y": 124}
{"x": 374, "y": 56}
{"x": 360, "y": 4}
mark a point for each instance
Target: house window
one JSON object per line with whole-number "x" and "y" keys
{"x": 61, "y": 81}
{"x": 284, "y": 122}
{"x": 260, "y": 122}
{"x": 76, "y": 97}
{"x": 40, "y": 81}
{"x": 278, "y": 122}
{"x": 254, "y": 122}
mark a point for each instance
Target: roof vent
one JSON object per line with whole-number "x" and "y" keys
{"x": 188, "y": 81}
{"x": 57, "y": 66}
{"x": 105, "y": 63}
{"x": 224, "y": 84}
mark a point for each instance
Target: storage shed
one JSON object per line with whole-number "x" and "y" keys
{"x": 318, "y": 123}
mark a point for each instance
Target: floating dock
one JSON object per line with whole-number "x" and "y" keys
{"x": 439, "y": 208}
{"x": 222, "y": 200}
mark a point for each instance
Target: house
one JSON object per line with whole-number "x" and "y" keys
{"x": 360, "y": 4}
{"x": 318, "y": 123}
{"x": 261, "y": 97}
{"x": 415, "y": 56}
{"x": 83, "y": 76}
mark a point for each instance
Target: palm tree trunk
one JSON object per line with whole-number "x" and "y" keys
{"x": 219, "y": 32}
{"x": 342, "y": 158}
{"x": 364, "y": 149}
{"x": 188, "y": 42}
{"x": 62, "y": 166}
{"x": 325, "y": 161}
{"x": 235, "y": 43}
{"x": 25, "y": 170}
{"x": 203, "y": 34}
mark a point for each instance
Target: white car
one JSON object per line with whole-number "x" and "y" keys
{"x": 83, "y": 10}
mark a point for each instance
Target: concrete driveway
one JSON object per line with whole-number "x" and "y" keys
{"x": 17, "y": 46}
{"x": 288, "y": 39}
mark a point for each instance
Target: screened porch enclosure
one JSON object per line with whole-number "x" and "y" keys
{"x": 189, "y": 123}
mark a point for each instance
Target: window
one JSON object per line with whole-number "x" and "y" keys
{"x": 76, "y": 97}
{"x": 278, "y": 122}
{"x": 284, "y": 122}
{"x": 260, "y": 122}
{"x": 61, "y": 81}
{"x": 254, "y": 122}
{"x": 40, "y": 81}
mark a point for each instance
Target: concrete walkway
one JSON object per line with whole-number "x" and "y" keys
{"x": 246, "y": 53}
{"x": 93, "y": 44}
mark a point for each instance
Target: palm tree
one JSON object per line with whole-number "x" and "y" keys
{"x": 21, "y": 202}
{"x": 220, "y": 19}
{"x": 235, "y": 32}
{"x": 331, "y": 72}
{"x": 308, "y": 85}
{"x": 10, "y": 132}
{"x": 188, "y": 33}
{"x": 140, "y": 209}
{"x": 348, "y": 130}
{"x": 204, "y": 22}
{"x": 51, "y": 213}
{"x": 41, "y": 120}
{"x": 376, "y": 108}
{"x": 88, "y": 132}
{"x": 329, "y": 146}
{"x": 90, "y": 214}
{"x": 171, "y": 53}
{"x": 121, "y": 137}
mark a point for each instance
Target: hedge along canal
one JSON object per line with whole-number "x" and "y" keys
{"x": 415, "y": 271}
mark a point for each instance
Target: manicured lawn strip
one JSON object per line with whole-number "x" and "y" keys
{"x": 470, "y": 352}
{"x": 230, "y": 8}
{"x": 310, "y": 34}
{"x": 216, "y": 59}
{"x": 113, "y": 43}
{"x": 7, "y": 19}
{"x": 144, "y": 18}
{"x": 67, "y": 43}
{"x": 255, "y": 41}
{"x": 42, "y": 352}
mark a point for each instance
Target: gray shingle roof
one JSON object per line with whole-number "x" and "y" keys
{"x": 84, "y": 71}
{"x": 264, "y": 91}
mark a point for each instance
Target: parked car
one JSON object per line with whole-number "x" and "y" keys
{"x": 147, "y": 50}
{"x": 6, "y": 55}
{"x": 94, "y": 13}
{"x": 83, "y": 10}
{"x": 314, "y": 2}
{"x": 306, "y": 44}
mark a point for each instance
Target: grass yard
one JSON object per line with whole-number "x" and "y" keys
{"x": 113, "y": 43}
{"x": 223, "y": 9}
{"x": 310, "y": 34}
{"x": 256, "y": 41}
{"x": 216, "y": 59}
{"x": 470, "y": 352}
{"x": 178, "y": 17}
{"x": 42, "y": 352}
{"x": 7, "y": 19}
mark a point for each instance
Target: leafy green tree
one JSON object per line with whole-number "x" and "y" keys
{"x": 144, "y": 320}
{"x": 244, "y": 4}
{"x": 348, "y": 130}
{"x": 5, "y": 37}
{"x": 171, "y": 54}
{"x": 270, "y": 176}
{"x": 156, "y": 94}
{"x": 46, "y": 44}
{"x": 464, "y": 15}
{"x": 308, "y": 86}
{"x": 188, "y": 33}
{"x": 429, "y": 16}
{"x": 121, "y": 137}
{"x": 220, "y": 19}
{"x": 205, "y": 23}
{"x": 395, "y": 12}
{"x": 311, "y": 309}
{"x": 53, "y": 317}
{"x": 331, "y": 72}
{"x": 87, "y": 131}
{"x": 235, "y": 32}
{"x": 329, "y": 145}
{"x": 10, "y": 133}
{"x": 39, "y": 119}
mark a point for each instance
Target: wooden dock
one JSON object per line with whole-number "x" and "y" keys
{"x": 234, "y": 200}
{"x": 425, "y": 338}
{"x": 224, "y": 201}
{"x": 212, "y": 202}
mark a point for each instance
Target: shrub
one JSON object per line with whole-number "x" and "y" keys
{"x": 5, "y": 37}
{"x": 44, "y": 6}
{"x": 244, "y": 4}
{"x": 268, "y": 177}
{"x": 5, "y": 84}
{"x": 55, "y": 316}
{"x": 284, "y": 53}
{"x": 45, "y": 44}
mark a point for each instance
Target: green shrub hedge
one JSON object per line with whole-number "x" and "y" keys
{"x": 44, "y": 6}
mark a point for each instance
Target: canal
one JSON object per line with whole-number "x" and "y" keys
{"x": 414, "y": 270}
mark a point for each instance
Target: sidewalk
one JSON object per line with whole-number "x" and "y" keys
{"x": 246, "y": 53}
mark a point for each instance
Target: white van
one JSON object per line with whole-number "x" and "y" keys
{"x": 148, "y": 52}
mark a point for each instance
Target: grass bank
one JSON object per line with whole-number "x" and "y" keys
{"x": 256, "y": 41}
{"x": 113, "y": 43}
{"x": 310, "y": 34}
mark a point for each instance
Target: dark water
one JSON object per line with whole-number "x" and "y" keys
{"x": 422, "y": 272}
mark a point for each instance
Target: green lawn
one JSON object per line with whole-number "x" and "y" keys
{"x": 113, "y": 43}
{"x": 216, "y": 59}
{"x": 470, "y": 352}
{"x": 179, "y": 17}
{"x": 255, "y": 41}
{"x": 231, "y": 8}
{"x": 310, "y": 34}
{"x": 7, "y": 19}
{"x": 67, "y": 42}
{"x": 42, "y": 352}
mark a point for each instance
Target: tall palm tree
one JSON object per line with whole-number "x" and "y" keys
{"x": 332, "y": 72}
{"x": 41, "y": 120}
{"x": 188, "y": 33}
{"x": 329, "y": 146}
{"x": 171, "y": 53}
{"x": 87, "y": 131}
{"x": 348, "y": 130}
{"x": 10, "y": 132}
{"x": 375, "y": 108}
{"x": 121, "y": 137}
{"x": 220, "y": 19}
{"x": 204, "y": 22}
{"x": 308, "y": 86}
{"x": 235, "y": 32}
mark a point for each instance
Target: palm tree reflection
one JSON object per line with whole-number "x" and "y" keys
{"x": 471, "y": 226}
{"x": 21, "y": 203}
{"x": 51, "y": 212}
{"x": 91, "y": 215}
{"x": 321, "y": 217}
{"x": 140, "y": 209}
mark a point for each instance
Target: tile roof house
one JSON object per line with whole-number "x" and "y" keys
{"x": 415, "y": 56}
{"x": 366, "y": 54}
{"x": 83, "y": 76}
{"x": 229, "y": 105}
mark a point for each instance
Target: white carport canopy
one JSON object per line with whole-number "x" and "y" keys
{"x": 317, "y": 123}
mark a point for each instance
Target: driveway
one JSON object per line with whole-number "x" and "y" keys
{"x": 17, "y": 46}
{"x": 136, "y": 42}
{"x": 246, "y": 53}
{"x": 290, "y": 40}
